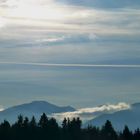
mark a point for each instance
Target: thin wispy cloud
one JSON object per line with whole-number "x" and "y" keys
{"x": 72, "y": 65}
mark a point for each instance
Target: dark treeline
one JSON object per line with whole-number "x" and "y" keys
{"x": 48, "y": 129}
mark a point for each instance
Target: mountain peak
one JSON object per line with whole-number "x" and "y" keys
{"x": 35, "y": 108}
{"x": 41, "y": 103}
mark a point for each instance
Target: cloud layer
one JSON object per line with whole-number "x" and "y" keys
{"x": 90, "y": 113}
{"x": 76, "y": 18}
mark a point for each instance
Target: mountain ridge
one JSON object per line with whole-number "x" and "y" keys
{"x": 119, "y": 119}
{"x": 35, "y": 108}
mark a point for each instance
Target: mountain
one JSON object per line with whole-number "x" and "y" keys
{"x": 35, "y": 108}
{"x": 130, "y": 117}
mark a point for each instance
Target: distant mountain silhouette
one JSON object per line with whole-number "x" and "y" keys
{"x": 130, "y": 117}
{"x": 35, "y": 108}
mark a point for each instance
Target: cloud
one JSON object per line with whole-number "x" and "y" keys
{"x": 90, "y": 113}
{"x": 77, "y": 33}
{"x": 15, "y": 3}
{"x": 51, "y": 16}
{"x": 71, "y": 20}
{"x": 90, "y": 3}
{"x": 1, "y": 108}
{"x": 51, "y": 40}
{"x": 104, "y": 3}
{"x": 66, "y": 39}
{"x": 73, "y": 65}
{"x": 2, "y": 22}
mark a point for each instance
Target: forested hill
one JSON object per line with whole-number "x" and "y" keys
{"x": 48, "y": 129}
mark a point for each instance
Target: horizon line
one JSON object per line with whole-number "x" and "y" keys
{"x": 74, "y": 65}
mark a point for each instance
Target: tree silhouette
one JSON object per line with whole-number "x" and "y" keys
{"x": 127, "y": 134}
{"x": 53, "y": 129}
{"x": 19, "y": 123}
{"x": 92, "y": 133}
{"x": 43, "y": 121}
{"x": 64, "y": 124}
{"x": 48, "y": 129}
{"x": 5, "y": 130}
{"x": 108, "y": 131}
{"x": 33, "y": 123}
{"x": 43, "y": 125}
{"x": 137, "y": 134}
{"x": 26, "y": 123}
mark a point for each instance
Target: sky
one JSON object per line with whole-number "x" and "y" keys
{"x": 69, "y": 52}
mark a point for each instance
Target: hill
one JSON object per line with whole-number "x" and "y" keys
{"x": 35, "y": 108}
{"x": 130, "y": 117}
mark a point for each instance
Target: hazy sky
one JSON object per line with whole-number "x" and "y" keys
{"x": 95, "y": 32}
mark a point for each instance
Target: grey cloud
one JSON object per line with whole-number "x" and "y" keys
{"x": 2, "y": 1}
{"x": 105, "y": 3}
{"x": 62, "y": 49}
{"x": 67, "y": 39}
{"x": 45, "y": 40}
{"x": 82, "y": 22}
{"x": 90, "y": 3}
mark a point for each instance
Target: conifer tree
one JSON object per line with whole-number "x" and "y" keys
{"x": 108, "y": 132}
{"x": 127, "y": 134}
{"x": 43, "y": 121}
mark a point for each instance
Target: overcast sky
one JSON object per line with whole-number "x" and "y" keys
{"x": 95, "y": 32}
